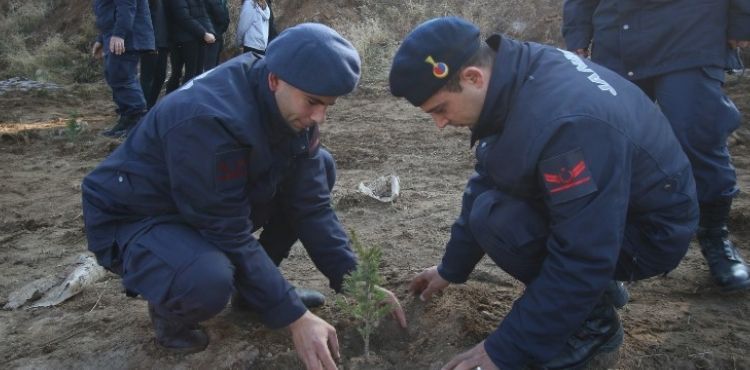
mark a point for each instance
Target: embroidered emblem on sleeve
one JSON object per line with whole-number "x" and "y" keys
{"x": 231, "y": 169}
{"x": 567, "y": 177}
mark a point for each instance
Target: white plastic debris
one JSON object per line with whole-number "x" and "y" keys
{"x": 86, "y": 272}
{"x": 384, "y": 188}
{"x": 83, "y": 273}
{"x": 29, "y": 292}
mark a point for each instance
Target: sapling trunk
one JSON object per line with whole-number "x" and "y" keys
{"x": 366, "y": 303}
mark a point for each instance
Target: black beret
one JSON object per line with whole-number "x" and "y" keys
{"x": 314, "y": 58}
{"x": 430, "y": 55}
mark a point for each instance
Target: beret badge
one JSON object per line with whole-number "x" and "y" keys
{"x": 439, "y": 69}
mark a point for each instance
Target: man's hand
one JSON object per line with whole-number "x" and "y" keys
{"x": 583, "y": 53}
{"x": 315, "y": 340}
{"x": 397, "y": 312}
{"x": 209, "y": 38}
{"x": 96, "y": 50}
{"x": 471, "y": 359}
{"x": 739, "y": 43}
{"x": 427, "y": 283}
{"x": 116, "y": 45}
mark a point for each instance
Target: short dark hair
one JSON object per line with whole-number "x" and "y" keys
{"x": 484, "y": 57}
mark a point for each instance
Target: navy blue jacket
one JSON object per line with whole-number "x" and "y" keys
{"x": 644, "y": 38}
{"x": 543, "y": 105}
{"x": 128, "y": 19}
{"x": 209, "y": 155}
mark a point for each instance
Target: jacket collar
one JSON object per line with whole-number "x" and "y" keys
{"x": 508, "y": 75}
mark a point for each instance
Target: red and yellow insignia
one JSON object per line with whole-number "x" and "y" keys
{"x": 567, "y": 176}
{"x": 439, "y": 69}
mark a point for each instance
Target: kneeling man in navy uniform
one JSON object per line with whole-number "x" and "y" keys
{"x": 174, "y": 208}
{"x": 580, "y": 183}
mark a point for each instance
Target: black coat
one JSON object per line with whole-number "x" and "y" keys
{"x": 159, "y": 20}
{"x": 219, "y": 15}
{"x": 188, "y": 20}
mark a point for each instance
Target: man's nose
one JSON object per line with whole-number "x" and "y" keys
{"x": 319, "y": 115}
{"x": 440, "y": 121}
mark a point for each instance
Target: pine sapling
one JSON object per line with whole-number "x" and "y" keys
{"x": 362, "y": 288}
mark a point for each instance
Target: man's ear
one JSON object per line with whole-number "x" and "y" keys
{"x": 473, "y": 76}
{"x": 273, "y": 81}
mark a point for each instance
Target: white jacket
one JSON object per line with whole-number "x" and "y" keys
{"x": 252, "y": 29}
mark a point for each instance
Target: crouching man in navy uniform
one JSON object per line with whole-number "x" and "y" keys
{"x": 676, "y": 52}
{"x": 580, "y": 182}
{"x": 173, "y": 209}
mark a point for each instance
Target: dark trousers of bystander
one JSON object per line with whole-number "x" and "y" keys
{"x": 153, "y": 74}
{"x": 213, "y": 53}
{"x": 187, "y": 55}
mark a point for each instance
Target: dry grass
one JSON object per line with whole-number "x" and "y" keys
{"x": 37, "y": 45}
{"x": 31, "y": 46}
{"x": 376, "y": 27}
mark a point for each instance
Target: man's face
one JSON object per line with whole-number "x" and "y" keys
{"x": 459, "y": 108}
{"x": 299, "y": 109}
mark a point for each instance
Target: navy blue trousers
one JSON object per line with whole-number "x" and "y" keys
{"x": 520, "y": 248}
{"x": 121, "y": 73}
{"x": 702, "y": 117}
{"x": 187, "y": 278}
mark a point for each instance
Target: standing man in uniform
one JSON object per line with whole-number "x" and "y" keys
{"x": 125, "y": 31}
{"x": 676, "y": 52}
{"x": 173, "y": 209}
{"x": 579, "y": 182}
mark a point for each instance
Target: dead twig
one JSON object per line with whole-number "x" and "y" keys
{"x": 100, "y": 296}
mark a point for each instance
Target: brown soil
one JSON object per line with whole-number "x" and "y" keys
{"x": 679, "y": 321}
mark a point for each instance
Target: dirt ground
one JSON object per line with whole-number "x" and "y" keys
{"x": 675, "y": 322}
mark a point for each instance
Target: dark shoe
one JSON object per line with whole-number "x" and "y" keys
{"x": 176, "y": 336}
{"x": 310, "y": 298}
{"x": 616, "y": 294}
{"x": 600, "y": 336}
{"x": 727, "y": 266}
{"x": 123, "y": 126}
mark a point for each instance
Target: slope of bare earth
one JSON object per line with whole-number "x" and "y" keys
{"x": 678, "y": 321}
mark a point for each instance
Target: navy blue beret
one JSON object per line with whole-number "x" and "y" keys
{"x": 430, "y": 55}
{"x": 314, "y": 58}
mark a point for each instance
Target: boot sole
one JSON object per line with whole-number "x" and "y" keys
{"x": 736, "y": 288}
{"x": 181, "y": 351}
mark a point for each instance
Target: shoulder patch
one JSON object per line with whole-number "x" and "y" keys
{"x": 567, "y": 177}
{"x": 231, "y": 169}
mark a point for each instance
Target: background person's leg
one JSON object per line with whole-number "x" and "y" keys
{"x": 177, "y": 62}
{"x": 703, "y": 117}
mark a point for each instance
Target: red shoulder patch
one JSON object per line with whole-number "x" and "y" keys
{"x": 231, "y": 168}
{"x": 567, "y": 176}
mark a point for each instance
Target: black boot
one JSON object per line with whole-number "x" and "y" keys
{"x": 616, "y": 294}
{"x": 310, "y": 298}
{"x": 724, "y": 261}
{"x": 176, "y": 336}
{"x": 601, "y": 335}
{"x": 123, "y": 126}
